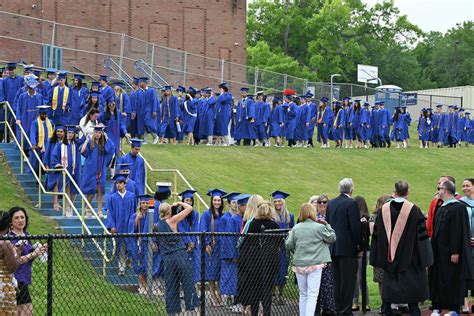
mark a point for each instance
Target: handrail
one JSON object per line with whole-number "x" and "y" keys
{"x": 108, "y": 62}
{"x": 65, "y": 173}
{"x": 142, "y": 65}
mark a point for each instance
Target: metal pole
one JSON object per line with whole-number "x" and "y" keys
{"x": 122, "y": 47}
{"x": 185, "y": 67}
{"x": 51, "y": 52}
{"x": 203, "y": 273}
{"x": 149, "y": 277}
{"x": 64, "y": 192}
{"x": 39, "y": 189}
{"x": 152, "y": 61}
{"x": 21, "y": 156}
{"x": 222, "y": 70}
{"x": 431, "y": 101}
{"x": 285, "y": 81}
{"x": 352, "y": 93}
{"x": 175, "y": 184}
{"x": 305, "y": 86}
{"x": 5, "y": 131}
{"x": 49, "y": 295}
{"x": 255, "y": 79}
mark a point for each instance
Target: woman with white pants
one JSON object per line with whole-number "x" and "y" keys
{"x": 309, "y": 241}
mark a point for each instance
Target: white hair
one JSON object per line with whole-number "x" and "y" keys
{"x": 346, "y": 186}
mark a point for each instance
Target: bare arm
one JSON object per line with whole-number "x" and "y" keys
{"x": 174, "y": 220}
{"x": 10, "y": 256}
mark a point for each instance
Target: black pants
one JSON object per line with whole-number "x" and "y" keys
{"x": 345, "y": 276}
{"x": 413, "y": 308}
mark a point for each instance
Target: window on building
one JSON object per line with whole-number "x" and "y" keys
{"x": 57, "y": 57}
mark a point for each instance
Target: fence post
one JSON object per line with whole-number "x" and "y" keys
{"x": 51, "y": 51}
{"x": 305, "y": 86}
{"x": 462, "y": 99}
{"x": 5, "y": 129}
{"x": 23, "y": 150}
{"x": 255, "y": 79}
{"x": 149, "y": 277}
{"x": 431, "y": 101}
{"x": 185, "y": 67}
{"x": 152, "y": 61}
{"x": 364, "y": 281}
{"x": 49, "y": 299}
{"x": 122, "y": 47}
{"x": 39, "y": 188}
{"x": 203, "y": 273}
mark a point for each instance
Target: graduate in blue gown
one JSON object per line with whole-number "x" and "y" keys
{"x": 208, "y": 115}
{"x": 228, "y": 274}
{"x": 303, "y": 121}
{"x": 60, "y": 101}
{"x": 130, "y": 185}
{"x": 338, "y": 126}
{"x": 285, "y": 220}
{"x": 11, "y": 85}
{"x": 98, "y": 152}
{"x": 245, "y": 119}
{"x": 290, "y": 119}
{"x": 79, "y": 93}
{"x": 313, "y": 114}
{"x": 262, "y": 116}
{"x": 348, "y": 128}
{"x": 122, "y": 205}
{"x": 451, "y": 134}
{"x": 115, "y": 127}
{"x": 211, "y": 223}
{"x": 189, "y": 114}
{"x": 424, "y": 128}
{"x": 170, "y": 115}
{"x": 40, "y": 133}
{"x": 191, "y": 225}
{"x": 148, "y": 111}
{"x": 66, "y": 154}
{"x": 325, "y": 118}
{"x": 163, "y": 192}
{"x": 463, "y": 127}
{"x": 277, "y": 122}
{"x": 106, "y": 90}
{"x": 375, "y": 125}
{"x": 49, "y": 83}
{"x": 439, "y": 126}
{"x": 470, "y": 132}
{"x": 137, "y": 164}
{"x": 406, "y": 123}
{"x": 122, "y": 103}
{"x": 355, "y": 123}
{"x": 27, "y": 111}
{"x": 384, "y": 125}
{"x": 53, "y": 177}
{"x": 180, "y": 95}
{"x": 3, "y": 74}
{"x": 366, "y": 122}
{"x": 139, "y": 224}
{"x": 132, "y": 118}
{"x": 223, "y": 114}
{"x": 398, "y": 133}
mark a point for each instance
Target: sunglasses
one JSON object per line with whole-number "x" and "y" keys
{"x": 322, "y": 202}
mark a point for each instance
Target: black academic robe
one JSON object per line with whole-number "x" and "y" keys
{"x": 405, "y": 278}
{"x": 450, "y": 236}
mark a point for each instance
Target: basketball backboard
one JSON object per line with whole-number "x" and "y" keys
{"x": 367, "y": 74}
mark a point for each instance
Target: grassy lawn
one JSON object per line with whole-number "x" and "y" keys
{"x": 308, "y": 171}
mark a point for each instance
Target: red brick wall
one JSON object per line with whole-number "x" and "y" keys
{"x": 206, "y": 27}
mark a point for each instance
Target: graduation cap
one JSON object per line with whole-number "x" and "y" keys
{"x": 136, "y": 142}
{"x": 11, "y": 65}
{"x": 99, "y": 128}
{"x": 232, "y": 196}
{"x": 208, "y": 90}
{"x": 95, "y": 84}
{"x": 243, "y": 199}
{"x": 366, "y": 104}
{"x": 216, "y": 192}
{"x": 403, "y": 107}
{"x": 357, "y": 101}
{"x": 244, "y": 89}
{"x": 79, "y": 76}
{"x": 187, "y": 194}
{"x": 381, "y": 102}
{"x": 277, "y": 99}
{"x": 124, "y": 167}
{"x": 120, "y": 177}
{"x": 103, "y": 77}
{"x": 455, "y": 107}
{"x": 346, "y": 99}
{"x": 94, "y": 93}
{"x": 135, "y": 80}
{"x": 192, "y": 90}
{"x": 144, "y": 198}
{"x": 251, "y": 96}
{"x": 338, "y": 103}
{"x": 59, "y": 126}
{"x": 259, "y": 93}
{"x": 43, "y": 108}
{"x": 32, "y": 82}
{"x": 439, "y": 105}
{"x": 324, "y": 99}
{"x": 181, "y": 88}
{"x": 217, "y": 94}
{"x": 50, "y": 71}
{"x": 467, "y": 113}
{"x": 296, "y": 98}
{"x": 450, "y": 106}
{"x": 397, "y": 108}
{"x": 163, "y": 187}
{"x": 71, "y": 128}
{"x": 143, "y": 79}
{"x": 118, "y": 84}
{"x": 62, "y": 75}
{"x": 28, "y": 67}
{"x": 37, "y": 72}
{"x": 309, "y": 95}
{"x": 280, "y": 194}
{"x": 461, "y": 110}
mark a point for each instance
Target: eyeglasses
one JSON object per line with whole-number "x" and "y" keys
{"x": 322, "y": 202}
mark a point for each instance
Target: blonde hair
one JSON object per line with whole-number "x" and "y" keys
{"x": 307, "y": 210}
{"x": 165, "y": 209}
{"x": 313, "y": 198}
{"x": 264, "y": 211}
{"x": 251, "y": 209}
{"x": 284, "y": 210}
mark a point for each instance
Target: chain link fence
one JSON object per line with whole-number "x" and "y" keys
{"x": 212, "y": 273}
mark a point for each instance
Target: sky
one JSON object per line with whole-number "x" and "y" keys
{"x": 433, "y": 15}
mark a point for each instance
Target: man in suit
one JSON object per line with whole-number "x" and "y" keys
{"x": 343, "y": 215}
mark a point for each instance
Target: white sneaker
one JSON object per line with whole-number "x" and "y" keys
{"x": 155, "y": 140}
{"x": 435, "y": 313}
{"x": 142, "y": 290}
{"x": 209, "y": 144}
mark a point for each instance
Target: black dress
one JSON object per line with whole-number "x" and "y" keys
{"x": 258, "y": 265}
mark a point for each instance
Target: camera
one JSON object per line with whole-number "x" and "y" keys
{"x": 176, "y": 210}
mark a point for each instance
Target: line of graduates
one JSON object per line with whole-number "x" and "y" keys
{"x": 129, "y": 213}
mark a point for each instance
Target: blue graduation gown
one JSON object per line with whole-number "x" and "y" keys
{"x": 398, "y": 133}
{"x": 338, "y": 126}
{"x": 284, "y": 258}
{"x": 139, "y": 248}
{"x": 95, "y": 166}
{"x": 213, "y": 262}
{"x": 424, "y": 127}
{"x": 384, "y": 124}
{"x": 325, "y": 118}
{"x": 290, "y": 122}
{"x": 55, "y": 160}
{"x": 52, "y": 178}
{"x": 366, "y": 122}
{"x": 348, "y": 128}
{"x": 451, "y": 126}
{"x": 26, "y": 110}
{"x": 244, "y": 129}
{"x": 115, "y": 128}
{"x": 463, "y": 125}
{"x": 313, "y": 113}
{"x": 137, "y": 170}
{"x": 169, "y": 114}
{"x": 34, "y": 138}
{"x": 146, "y": 102}
{"x": 207, "y": 117}
{"x": 302, "y": 119}
{"x": 190, "y": 115}
{"x": 185, "y": 227}
{"x": 2, "y": 93}
{"x": 470, "y": 133}
{"x": 224, "y": 102}
{"x": 60, "y": 116}
{"x": 406, "y": 124}
{"x": 78, "y": 97}
{"x": 439, "y": 127}
{"x": 262, "y": 116}
{"x": 119, "y": 213}
{"x": 130, "y": 186}
{"x": 277, "y": 118}
{"x": 10, "y": 88}
{"x": 47, "y": 86}
{"x": 229, "y": 271}
{"x": 107, "y": 93}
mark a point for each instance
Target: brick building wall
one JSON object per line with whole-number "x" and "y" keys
{"x": 214, "y": 28}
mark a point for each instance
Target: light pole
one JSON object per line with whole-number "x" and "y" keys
{"x": 332, "y": 78}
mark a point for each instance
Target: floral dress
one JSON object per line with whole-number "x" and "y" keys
{"x": 326, "y": 290}
{"x": 7, "y": 291}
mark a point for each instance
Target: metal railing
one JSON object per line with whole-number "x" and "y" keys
{"x": 65, "y": 175}
{"x": 155, "y": 78}
{"x": 116, "y": 69}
